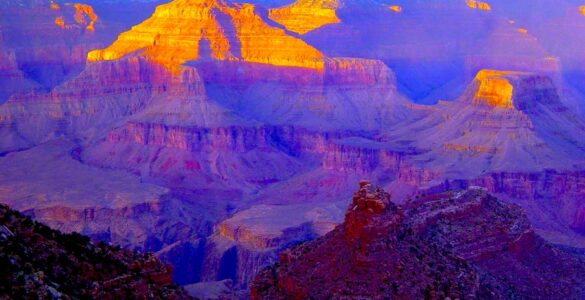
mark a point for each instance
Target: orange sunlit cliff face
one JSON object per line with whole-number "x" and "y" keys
{"x": 178, "y": 31}
{"x": 83, "y": 16}
{"x": 494, "y": 88}
{"x": 306, "y": 15}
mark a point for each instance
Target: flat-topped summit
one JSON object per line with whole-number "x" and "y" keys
{"x": 508, "y": 89}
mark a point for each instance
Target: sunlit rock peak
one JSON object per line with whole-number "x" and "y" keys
{"x": 500, "y": 88}
{"x": 306, "y": 15}
{"x": 493, "y": 88}
{"x": 473, "y": 4}
{"x": 186, "y": 30}
{"x": 75, "y": 15}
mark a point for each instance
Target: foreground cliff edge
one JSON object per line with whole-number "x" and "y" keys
{"x": 464, "y": 244}
{"x": 40, "y": 263}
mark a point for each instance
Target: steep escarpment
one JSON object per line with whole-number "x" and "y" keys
{"x": 39, "y": 262}
{"x": 436, "y": 246}
{"x": 186, "y": 30}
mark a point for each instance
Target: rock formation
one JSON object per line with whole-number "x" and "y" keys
{"x": 186, "y": 30}
{"x": 509, "y": 121}
{"x": 436, "y": 246}
{"x": 221, "y": 132}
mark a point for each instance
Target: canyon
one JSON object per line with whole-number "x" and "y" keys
{"x": 218, "y": 134}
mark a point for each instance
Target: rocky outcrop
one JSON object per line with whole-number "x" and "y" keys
{"x": 435, "y": 246}
{"x": 367, "y": 256}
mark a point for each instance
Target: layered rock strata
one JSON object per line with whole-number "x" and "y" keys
{"x": 186, "y": 30}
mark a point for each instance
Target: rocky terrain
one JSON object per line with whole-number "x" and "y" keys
{"x": 220, "y": 133}
{"x": 41, "y": 263}
{"x": 464, "y": 244}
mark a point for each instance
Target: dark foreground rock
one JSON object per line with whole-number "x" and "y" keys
{"x": 37, "y": 262}
{"x": 464, "y": 244}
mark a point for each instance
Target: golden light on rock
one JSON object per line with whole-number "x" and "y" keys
{"x": 177, "y": 30}
{"x": 494, "y": 88}
{"x": 396, "y": 8}
{"x": 478, "y": 5}
{"x": 523, "y": 30}
{"x": 305, "y": 15}
{"x": 83, "y": 11}
{"x": 60, "y": 22}
{"x": 582, "y": 9}
{"x": 261, "y": 43}
{"x": 83, "y": 16}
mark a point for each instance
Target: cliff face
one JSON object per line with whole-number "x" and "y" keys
{"x": 437, "y": 246}
{"x": 44, "y": 263}
{"x": 186, "y": 30}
